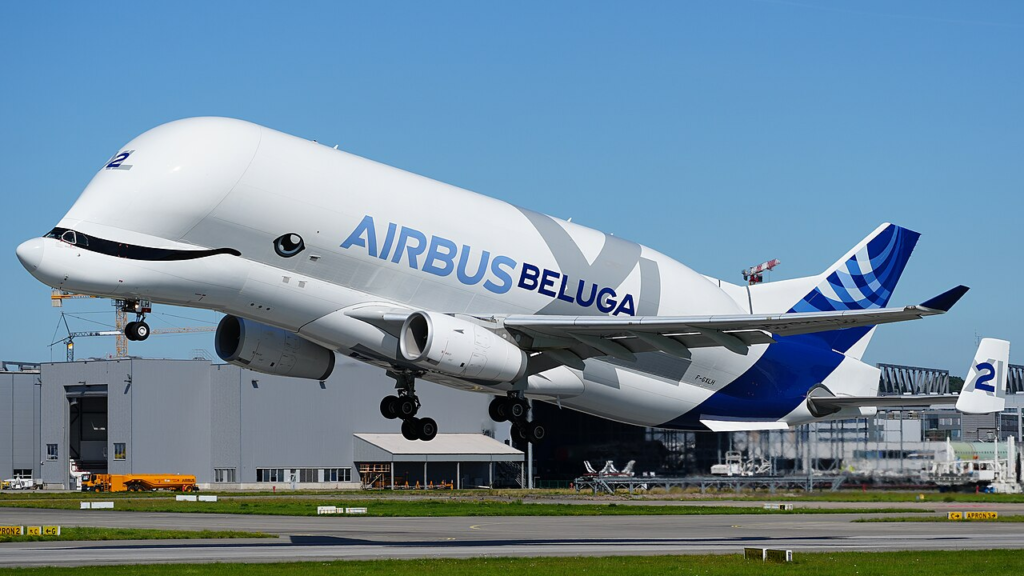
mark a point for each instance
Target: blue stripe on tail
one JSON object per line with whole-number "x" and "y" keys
{"x": 865, "y": 281}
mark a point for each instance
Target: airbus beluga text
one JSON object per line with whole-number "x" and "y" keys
{"x": 312, "y": 252}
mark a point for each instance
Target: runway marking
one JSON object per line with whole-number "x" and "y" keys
{"x": 481, "y": 526}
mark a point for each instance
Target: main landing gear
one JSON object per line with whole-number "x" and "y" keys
{"x": 405, "y": 406}
{"x": 516, "y": 409}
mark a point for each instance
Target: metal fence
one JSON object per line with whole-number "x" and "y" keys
{"x": 897, "y": 380}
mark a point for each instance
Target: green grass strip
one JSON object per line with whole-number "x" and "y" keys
{"x": 931, "y": 563}
{"x": 90, "y": 533}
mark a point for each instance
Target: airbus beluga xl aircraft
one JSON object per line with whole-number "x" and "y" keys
{"x": 312, "y": 252}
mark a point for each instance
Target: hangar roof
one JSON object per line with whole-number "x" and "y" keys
{"x": 443, "y": 448}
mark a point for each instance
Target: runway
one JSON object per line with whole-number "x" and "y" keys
{"x": 329, "y": 538}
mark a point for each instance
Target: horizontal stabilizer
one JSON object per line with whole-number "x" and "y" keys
{"x": 985, "y": 388}
{"x": 831, "y": 404}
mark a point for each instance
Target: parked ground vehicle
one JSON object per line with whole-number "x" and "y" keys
{"x": 139, "y": 483}
{"x": 20, "y": 484}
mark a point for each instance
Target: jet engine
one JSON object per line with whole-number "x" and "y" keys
{"x": 271, "y": 350}
{"x": 459, "y": 348}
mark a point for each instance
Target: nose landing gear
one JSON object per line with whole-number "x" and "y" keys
{"x": 138, "y": 330}
{"x": 405, "y": 406}
{"x": 516, "y": 409}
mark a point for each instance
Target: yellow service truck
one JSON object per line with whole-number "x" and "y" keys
{"x": 139, "y": 483}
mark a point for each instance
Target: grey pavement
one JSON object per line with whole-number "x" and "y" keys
{"x": 326, "y": 538}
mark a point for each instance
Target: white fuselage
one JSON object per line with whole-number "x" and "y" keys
{"x": 377, "y": 236}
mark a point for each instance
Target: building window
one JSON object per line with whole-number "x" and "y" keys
{"x": 224, "y": 475}
{"x": 270, "y": 475}
{"x": 337, "y": 474}
{"x": 120, "y": 452}
{"x": 307, "y": 474}
{"x": 51, "y": 451}
{"x": 24, "y": 474}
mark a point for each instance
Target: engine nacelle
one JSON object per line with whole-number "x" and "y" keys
{"x": 459, "y": 348}
{"x": 271, "y": 350}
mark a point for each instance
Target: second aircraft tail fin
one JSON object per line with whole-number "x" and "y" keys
{"x": 985, "y": 388}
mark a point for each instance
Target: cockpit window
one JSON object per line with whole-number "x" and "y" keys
{"x": 69, "y": 236}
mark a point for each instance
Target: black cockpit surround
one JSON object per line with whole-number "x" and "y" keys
{"x": 131, "y": 251}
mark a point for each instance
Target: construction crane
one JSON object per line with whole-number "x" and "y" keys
{"x": 122, "y": 308}
{"x": 755, "y": 274}
{"x": 69, "y": 340}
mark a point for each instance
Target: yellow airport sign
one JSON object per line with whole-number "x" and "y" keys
{"x": 51, "y": 530}
{"x": 34, "y": 531}
{"x": 972, "y": 515}
{"x": 981, "y": 515}
{"x": 12, "y": 530}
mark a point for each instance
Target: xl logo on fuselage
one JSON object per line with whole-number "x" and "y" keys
{"x": 117, "y": 161}
{"x": 443, "y": 257}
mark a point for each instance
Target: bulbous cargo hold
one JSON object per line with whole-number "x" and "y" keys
{"x": 459, "y": 348}
{"x": 271, "y": 350}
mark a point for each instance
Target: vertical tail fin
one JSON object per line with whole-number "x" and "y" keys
{"x": 985, "y": 388}
{"x": 862, "y": 279}
{"x": 866, "y": 276}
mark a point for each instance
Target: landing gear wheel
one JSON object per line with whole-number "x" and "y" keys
{"x": 518, "y": 433}
{"x": 141, "y": 331}
{"x": 409, "y": 431}
{"x": 406, "y": 407}
{"x": 535, "y": 432}
{"x": 129, "y": 331}
{"x": 497, "y": 410}
{"x": 426, "y": 428}
{"x": 517, "y": 409}
{"x": 388, "y": 407}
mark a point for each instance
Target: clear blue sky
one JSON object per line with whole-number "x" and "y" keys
{"x": 721, "y": 133}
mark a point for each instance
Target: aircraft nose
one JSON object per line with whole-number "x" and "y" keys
{"x": 30, "y": 253}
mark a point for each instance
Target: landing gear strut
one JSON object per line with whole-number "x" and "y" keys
{"x": 138, "y": 330}
{"x": 405, "y": 406}
{"x": 516, "y": 409}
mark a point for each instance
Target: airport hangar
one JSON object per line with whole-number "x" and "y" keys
{"x": 237, "y": 429}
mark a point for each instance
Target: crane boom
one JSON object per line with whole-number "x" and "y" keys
{"x": 755, "y": 274}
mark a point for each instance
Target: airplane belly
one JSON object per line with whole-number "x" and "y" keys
{"x": 635, "y": 398}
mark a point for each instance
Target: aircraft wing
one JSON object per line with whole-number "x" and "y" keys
{"x": 568, "y": 340}
{"x": 621, "y": 336}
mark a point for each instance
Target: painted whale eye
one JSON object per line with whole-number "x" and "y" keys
{"x": 289, "y": 245}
